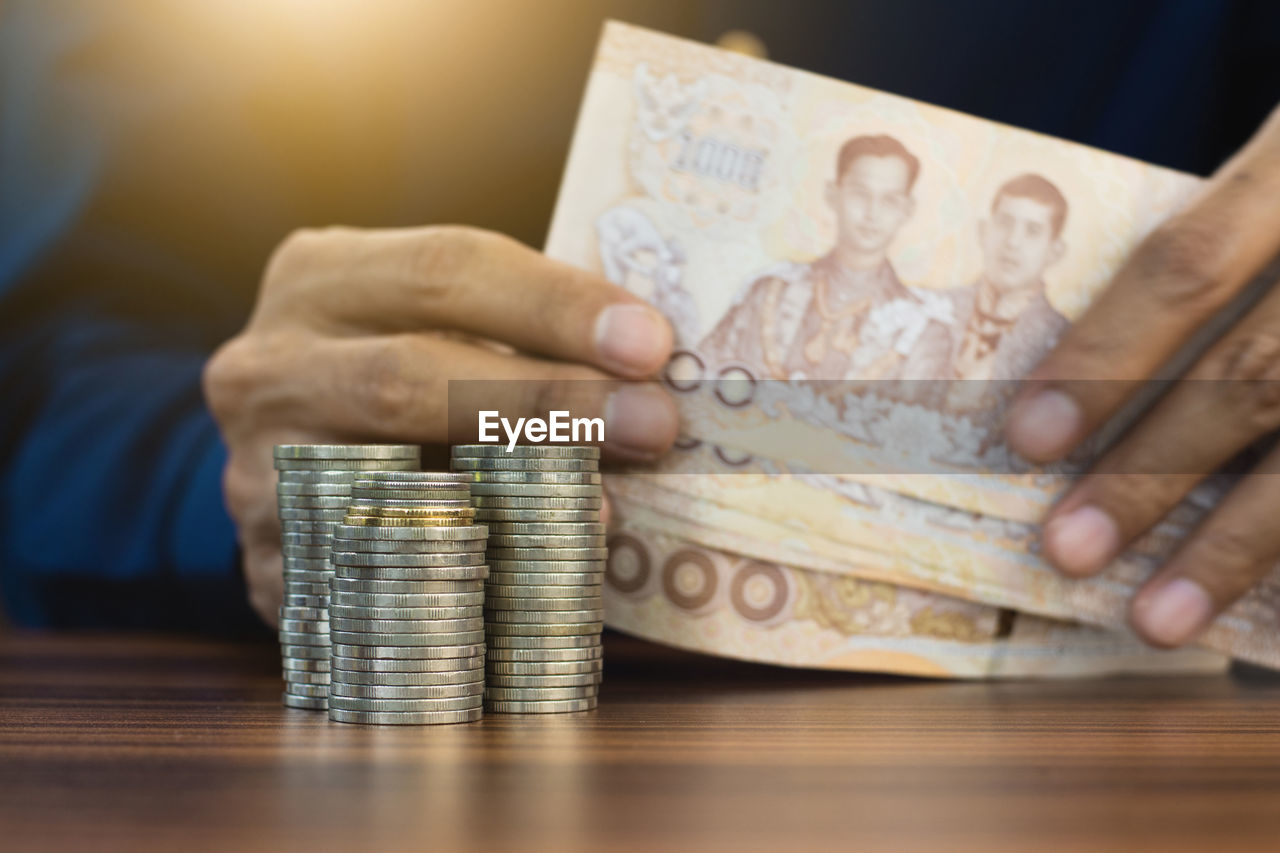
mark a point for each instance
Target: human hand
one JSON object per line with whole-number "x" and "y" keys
{"x": 1184, "y": 272}
{"x": 356, "y": 335}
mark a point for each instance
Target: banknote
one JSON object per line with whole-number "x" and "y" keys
{"x": 856, "y": 282}
{"x": 662, "y": 588}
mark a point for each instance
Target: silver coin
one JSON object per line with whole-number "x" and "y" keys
{"x": 545, "y": 567}
{"x": 533, "y": 580}
{"x": 314, "y": 552}
{"x": 475, "y": 463}
{"x": 586, "y": 654}
{"x": 306, "y": 703}
{"x": 538, "y": 629}
{"x": 536, "y": 490}
{"x": 296, "y": 588}
{"x": 563, "y": 478}
{"x": 409, "y": 626}
{"x": 562, "y": 707}
{"x": 353, "y": 651}
{"x": 459, "y": 703}
{"x": 304, "y": 652}
{"x": 303, "y": 612}
{"x": 313, "y": 501}
{"x": 545, "y": 680}
{"x": 425, "y": 477}
{"x": 529, "y": 451}
{"x": 287, "y": 514}
{"x": 500, "y": 642}
{"x": 508, "y": 502}
{"x": 345, "y": 668}
{"x": 420, "y": 573}
{"x": 347, "y": 451}
{"x": 410, "y": 679}
{"x": 473, "y": 557}
{"x": 594, "y": 602}
{"x": 305, "y": 664}
{"x": 303, "y": 626}
{"x": 296, "y": 576}
{"x": 298, "y": 526}
{"x": 343, "y": 586}
{"x": 313, "y": 539}
{"x": 306, "y": 601}
{"x": 301, "y": 638}
{"x": 538, "y": 515}
{"x": 324, "y": 490}
{"x": 418, "y": 638}
{"x": 314, "y": 691}
{"x": 526, "y": 540}
{"x": 316, "y": 478}
{"x": 374, "y": 718}
{"x": 300, "y": 677}
{"x": 537, "y": 528}
{"x": 381, "y": 493}
{"x": 352, "y": 533}
{"x": 540, "y": 617}
{"x": 525, "y": 668}
{"x": 342, "y": 611}
{"x": 404, "y": 691}
{"x": 408, "y": 546}
{"x": 537, "y": 694}
{"x": 307, "y": 564}
{"x": 356, "y": 466}
{"x": 502, "y": 593}
{"x": 367, "y": 600}
{"x": 509, "y": 555}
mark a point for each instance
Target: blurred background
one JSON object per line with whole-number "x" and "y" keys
{"x": 152, "y": 153}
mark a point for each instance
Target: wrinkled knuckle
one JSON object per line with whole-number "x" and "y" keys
{"x": 1248, "y": 371}
{"x": 1185, "y": 259}
{"x": 1235, "y": 560}
{"x": 389, "y": 394}
{"x": 227, "y": 378}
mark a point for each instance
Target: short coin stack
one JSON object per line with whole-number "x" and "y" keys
{"x": 313, "y": 491}
{"x": 406, "y": 606}
{"x": 543, "y": 611}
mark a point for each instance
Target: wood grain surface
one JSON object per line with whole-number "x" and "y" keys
{"x": 152, "y": 743}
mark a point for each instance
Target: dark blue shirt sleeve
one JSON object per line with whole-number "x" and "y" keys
{"x": 111, "y": 508}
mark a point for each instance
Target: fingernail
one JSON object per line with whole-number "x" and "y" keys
{"x": 1174, "y": 613}
{"x": 632, "y": 339}
{"x": 639, "y": 420}
{"x": 1042, "y": 426}
{"x": 1082, "y": 541}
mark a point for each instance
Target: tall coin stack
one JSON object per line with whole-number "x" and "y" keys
{"x": 543, "y": 610}
{"x": 312, "y": 493}
{"x": 406, "y": 603}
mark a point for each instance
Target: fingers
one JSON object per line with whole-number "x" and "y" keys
{"x": 1229, "y": 399}
{"x": 351, "y": 282}
{"x": 1176, "y": 279}
{"x": 429, "y": 389}
{"x": 1233, "y": 549}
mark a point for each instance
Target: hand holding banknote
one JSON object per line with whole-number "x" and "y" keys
{"x": 357, "y": 334}
{"x": 1176, "y": 279}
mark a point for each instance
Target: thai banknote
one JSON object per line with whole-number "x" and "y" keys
{"x": 688, "y": 595}
{"x": 855, "y": 279}
{"x": 856, "y": 282}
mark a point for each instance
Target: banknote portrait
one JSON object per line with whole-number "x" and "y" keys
{"x": 1003, "y": 321}
{"x": 846, "y": 315}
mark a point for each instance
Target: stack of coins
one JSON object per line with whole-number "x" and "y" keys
{"x": 543, "y": 611}
{"x": 313, "y": 491}
{"x": 406, "y": 603}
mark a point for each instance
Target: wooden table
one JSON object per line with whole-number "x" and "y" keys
{"x": 137, "y": 744}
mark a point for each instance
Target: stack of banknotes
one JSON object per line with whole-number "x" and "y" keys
{"x": 856, "y": 282}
